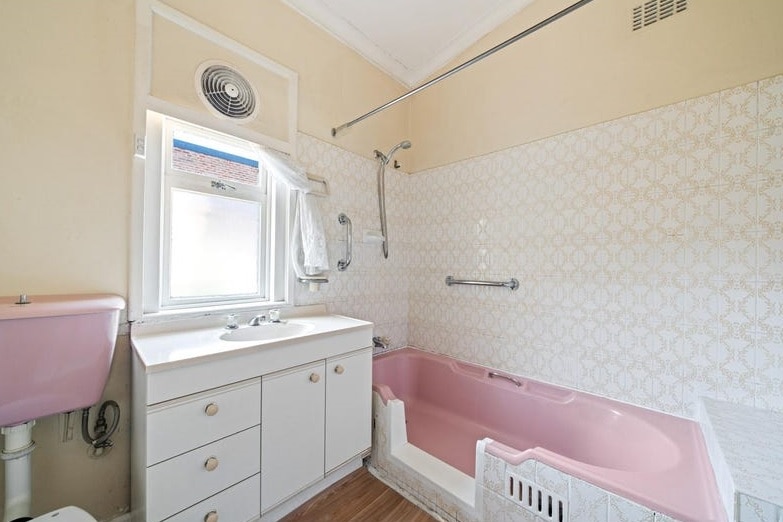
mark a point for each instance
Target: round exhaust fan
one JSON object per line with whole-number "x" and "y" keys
{"x": 225, "y": 92}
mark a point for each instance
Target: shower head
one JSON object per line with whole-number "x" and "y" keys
{"x": 387, "y": 157}
{"x": 402, "y": 145}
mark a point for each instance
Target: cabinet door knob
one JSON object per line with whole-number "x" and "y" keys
{"x": 211, "y": 464}
{"x": 339, "y": 369}
{"x": 314, "y": 377}
{"x": 211, "y": 409}
{"x": 212, "y": 516}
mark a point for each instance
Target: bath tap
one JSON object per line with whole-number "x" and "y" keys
{"x": 231, "y": 322}
{"x": 381, "y": 342}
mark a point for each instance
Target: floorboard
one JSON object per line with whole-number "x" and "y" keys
{"x": 359, "y": 497}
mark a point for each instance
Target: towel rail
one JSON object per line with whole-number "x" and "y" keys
{"x": 512, "y": 283}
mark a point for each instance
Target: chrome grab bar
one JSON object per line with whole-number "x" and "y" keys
{"x": 342, "y": 264}
{"x": 512, "y": 283}
{"x": 492, "y": 375}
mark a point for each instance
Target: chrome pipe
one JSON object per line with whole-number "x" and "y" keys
{"x": 465, "y": 65}
{"x": 383, "y": 160}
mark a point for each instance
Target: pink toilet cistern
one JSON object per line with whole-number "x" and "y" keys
{"x": 56, "y": 352}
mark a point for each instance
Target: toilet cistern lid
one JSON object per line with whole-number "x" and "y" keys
{"x": 66, "y": 514}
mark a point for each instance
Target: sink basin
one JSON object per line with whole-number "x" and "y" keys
{"x": 267, "y": 332}
{"x": 56, "y": 353}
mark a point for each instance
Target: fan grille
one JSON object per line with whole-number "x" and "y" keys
{"x": 227, "y": 92}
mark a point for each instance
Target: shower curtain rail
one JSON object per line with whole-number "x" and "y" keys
{"x": 465, "y": 65}
{"x": 512, "y": 283}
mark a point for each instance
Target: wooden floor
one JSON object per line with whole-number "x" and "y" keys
{"x": 359, "y": 497}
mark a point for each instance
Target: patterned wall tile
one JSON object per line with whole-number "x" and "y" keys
{"x": 755, "y": 510}
{"x": 702, "y": 117}
{"x": 643, "y": 247}
{"x": 373, "y": 288}
{"x": 649, "y": 251}
{"x": 498, "y": 509}
{"x": 622, "y": 510}
{"x": 771, "y": 102}
{"x": 553, "y": 480}
{"x": 588, "y": 503}
{"x": 739, "y": 110}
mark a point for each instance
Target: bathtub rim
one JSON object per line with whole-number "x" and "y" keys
{"x": 575, "y": 468}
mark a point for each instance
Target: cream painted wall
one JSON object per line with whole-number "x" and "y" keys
{"x": 65, "y": 157}
{"x": 66, "y": 125}
{"x": 65, "y": 142}
{"x": 335, "y": 83}
{"x": 590, "y": 67}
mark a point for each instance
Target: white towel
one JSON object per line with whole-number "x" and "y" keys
{"x": 308, "y": 242}
{"x": 310, "y": 234}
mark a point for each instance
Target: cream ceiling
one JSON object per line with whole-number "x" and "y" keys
{"x": 409, "y": 39}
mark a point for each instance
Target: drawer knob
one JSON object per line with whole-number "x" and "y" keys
{"x": 212, "y": 516}
{"x": 211, "y": 409}
{"x": 211, "y": 464}
{"x": 314, "y": 377}
{"x": 339, "y": 369}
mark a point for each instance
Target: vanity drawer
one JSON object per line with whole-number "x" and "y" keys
{"x": 183, "y": 481}
{"x": 178, "y": 426}
{"x": 238, "y": 503}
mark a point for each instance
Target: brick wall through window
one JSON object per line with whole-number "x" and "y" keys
{"x": 206, "y": 164}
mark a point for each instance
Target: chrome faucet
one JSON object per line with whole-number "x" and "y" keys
{"x": 381, "y": 342}
{"x": 257, "y": 320}
{"x": 231, "y": 322}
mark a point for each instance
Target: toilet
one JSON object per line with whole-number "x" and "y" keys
{"x": 66, "y": 514}
{"x": 69, "y": 339}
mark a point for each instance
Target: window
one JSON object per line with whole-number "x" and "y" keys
{"x": 215, "y": 222}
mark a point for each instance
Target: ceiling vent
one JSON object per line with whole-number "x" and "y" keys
{"x": 655, "y": 10}
{"x": 225, "y": 92}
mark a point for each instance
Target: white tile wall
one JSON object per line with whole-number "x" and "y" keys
{"x": 755, "y": 510}
{"x": 751, "y": 443}
{"x": 372, "y": 288}
{"x": 649, "y": 251}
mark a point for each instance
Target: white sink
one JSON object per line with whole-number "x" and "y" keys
{"x": 268, "y": 332}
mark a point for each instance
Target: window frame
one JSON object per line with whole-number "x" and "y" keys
{"x": 159, "y": 179}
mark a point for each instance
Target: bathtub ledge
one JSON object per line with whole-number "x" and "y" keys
{"x": 748, "y": 447}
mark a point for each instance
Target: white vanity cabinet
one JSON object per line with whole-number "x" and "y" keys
{"x": 313, "y": 418}
{"x": 245, "y": 431}
{"x": 348, "y": 409}
{"x": 292, "y": 442}
{"x": 199, "y": 446}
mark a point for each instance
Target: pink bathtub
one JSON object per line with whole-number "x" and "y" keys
{"x": 657, "y": 460}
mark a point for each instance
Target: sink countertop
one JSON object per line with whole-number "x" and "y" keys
{"x": 161, "y": 347}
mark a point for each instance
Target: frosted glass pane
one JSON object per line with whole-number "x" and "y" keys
{"x": 214, "y": 246}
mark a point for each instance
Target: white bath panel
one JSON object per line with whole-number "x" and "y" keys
{"x": 532, "y": 497}
{"x": 448, "y": 478}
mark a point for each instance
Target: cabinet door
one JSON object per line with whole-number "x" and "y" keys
{"x": 348, "y": 406}
{"x": 292, "y": 432}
